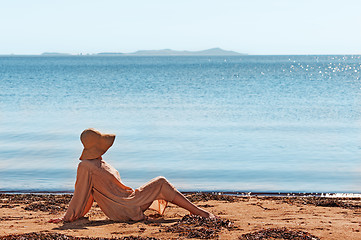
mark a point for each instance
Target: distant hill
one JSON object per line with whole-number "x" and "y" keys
{"x": 170, "y": 52}
{"x": 162, "y": 52}
{"x": 55, "y": 54}
{"x": 110, "y": 53}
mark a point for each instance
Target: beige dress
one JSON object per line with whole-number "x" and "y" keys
{"x": 99, "y": 181}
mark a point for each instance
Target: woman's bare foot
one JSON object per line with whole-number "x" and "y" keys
{"x": 207, "y": 214}
{"x": 212, "y": 216}
{"x": 183, "y": 202}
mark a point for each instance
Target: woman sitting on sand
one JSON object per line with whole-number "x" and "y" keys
{"x": 97, "y": 180}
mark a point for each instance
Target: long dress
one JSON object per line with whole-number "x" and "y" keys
{"x": 99, "y": 181}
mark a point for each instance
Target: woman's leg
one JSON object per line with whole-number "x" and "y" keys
{"x": 166, "y": 191}
{"x": 181, "y": 201}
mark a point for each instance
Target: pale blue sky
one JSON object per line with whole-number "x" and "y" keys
{"x": 254, "y": 26}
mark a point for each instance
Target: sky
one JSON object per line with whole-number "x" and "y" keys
{"x": 257, "y": 27}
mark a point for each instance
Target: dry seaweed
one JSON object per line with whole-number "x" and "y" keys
{"x": 30, "y": 198}
{"x": 192, "y": 226}
{"x": 325, "y": 202}
{"x": 278, "y": 233}
{"x": 197, "y": 197}
{"x": 36, "y": 202}
{"x": 44, "y": 207}
{"x": 57, "y": 236}
{"x": 9, "y": 205}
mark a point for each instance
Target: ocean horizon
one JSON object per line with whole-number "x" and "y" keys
{"x": 207, "y": 123}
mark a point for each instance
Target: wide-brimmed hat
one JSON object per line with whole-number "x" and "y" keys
{"x": 95, "y": 143}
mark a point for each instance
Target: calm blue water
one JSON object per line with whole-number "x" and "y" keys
{"x": 246, "y": 123}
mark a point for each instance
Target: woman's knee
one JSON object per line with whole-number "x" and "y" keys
{"x": 164, "y": 182}
{"x": 161, "y": 179}
{"x": 168, "y": 191}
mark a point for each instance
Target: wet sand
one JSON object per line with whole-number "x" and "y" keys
{"x": 25, "y": 216}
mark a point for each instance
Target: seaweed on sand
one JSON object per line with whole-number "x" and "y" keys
{"x": 348, "y": 203}
{"x": 197, "y": 197}
{"x": 278, "y": 233}
{"x": 192, "y": 226}
{"x": 57, "y": 236}
{"x": 36, "y": 202}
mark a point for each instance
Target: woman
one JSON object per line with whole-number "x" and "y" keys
{"x": 97, "y": 180}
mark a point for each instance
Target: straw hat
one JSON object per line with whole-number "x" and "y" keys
{"x": 95, "y": 143}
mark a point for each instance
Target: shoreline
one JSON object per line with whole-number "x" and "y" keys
{"x": 26, "y": 215}
{"x": 231, "y": 193}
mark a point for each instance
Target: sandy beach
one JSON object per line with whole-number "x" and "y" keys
{"x": 25, "y": 216}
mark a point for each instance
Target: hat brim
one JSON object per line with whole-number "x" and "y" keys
{"x": 105, "y": 142}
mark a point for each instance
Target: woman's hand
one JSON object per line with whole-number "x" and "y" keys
{"x": 55, "y": 220}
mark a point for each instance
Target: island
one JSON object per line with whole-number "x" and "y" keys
{"x": 161, "y": 52}
{"x": 55, "y": 54}
{"x": 110, "y": 53}
{"x": 170, "y": 52}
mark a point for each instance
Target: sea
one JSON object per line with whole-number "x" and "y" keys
{"x": 207, "y": 123}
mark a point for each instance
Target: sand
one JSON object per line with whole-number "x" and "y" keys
{"x": 240, "y": 218}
